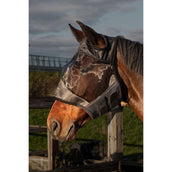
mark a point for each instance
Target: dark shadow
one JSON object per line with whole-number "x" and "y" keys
{"x": 133, "y": 145}
{"x": 38, "y": 134}
{"x": 137, "y": 157}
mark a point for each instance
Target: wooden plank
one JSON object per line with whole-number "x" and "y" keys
{"x": 37, "y": 163}
{"x": 41, "y": 102}
{"x": 53, "y": 151}
{"x": 36, "y": 128}
{"x": 115, "y": 136}
{"x": 38, "y": 153}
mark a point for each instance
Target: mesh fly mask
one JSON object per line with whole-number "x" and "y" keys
{"x": 109, "y": 100}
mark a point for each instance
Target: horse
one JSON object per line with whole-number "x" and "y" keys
{"x": 103, "y": 73}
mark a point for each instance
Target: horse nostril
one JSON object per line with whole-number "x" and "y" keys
{"x": 55, "y": 127}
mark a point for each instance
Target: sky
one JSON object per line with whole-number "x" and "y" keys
{"x": 49, "y": 33}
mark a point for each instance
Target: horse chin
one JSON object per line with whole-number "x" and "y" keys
{"x": 65, "y": 139}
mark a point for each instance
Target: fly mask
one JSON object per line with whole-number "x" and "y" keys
{"x": 86, "y": 61}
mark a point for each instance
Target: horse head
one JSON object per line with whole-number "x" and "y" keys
{"x": 90, "y": 85}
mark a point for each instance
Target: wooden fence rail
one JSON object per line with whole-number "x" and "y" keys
{"x": 36, "y": 128}
{"x": 41, "y": 102}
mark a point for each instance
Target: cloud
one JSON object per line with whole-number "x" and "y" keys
{"x": 135, "y": 35}
{"x": 51, "y": 15}
{"x": 49, "y": 19}
{"x": 53, "y": 46}
{"x": 132, "y": 34}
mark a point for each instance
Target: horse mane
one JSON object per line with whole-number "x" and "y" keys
{"x": 132, "y": 54}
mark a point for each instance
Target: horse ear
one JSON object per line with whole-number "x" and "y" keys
{"x": 79, "y": 35}
{"x": 95, "y": 38}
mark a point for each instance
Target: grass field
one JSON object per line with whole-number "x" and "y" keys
{"x": 96, "y": 130}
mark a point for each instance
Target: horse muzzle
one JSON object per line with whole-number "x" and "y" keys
{"x": 62, "y": 135}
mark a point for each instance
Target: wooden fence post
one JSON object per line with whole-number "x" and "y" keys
{"x": 53, "y": 151}
{"x": 115, "y": 136}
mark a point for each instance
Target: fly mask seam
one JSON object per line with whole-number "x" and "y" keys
{"x": 99, "y": 74}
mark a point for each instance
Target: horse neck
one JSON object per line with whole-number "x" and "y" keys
{"x": 134, "y": 83}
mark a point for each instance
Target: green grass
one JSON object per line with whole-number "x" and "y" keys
{"x": 42, "y": 84}
{"x": 94, "y": 130}
{"x": 38, "y": 141}
{"x": 132, "y": 135}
